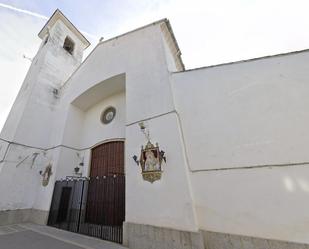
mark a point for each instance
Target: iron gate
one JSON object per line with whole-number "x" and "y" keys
{"x": 92, "y": 206}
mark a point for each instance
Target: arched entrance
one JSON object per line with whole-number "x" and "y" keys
{"x": 107, "y": 159}
{"x": 95, "y": 205}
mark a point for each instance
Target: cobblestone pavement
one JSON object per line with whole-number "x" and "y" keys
{"x": 30, "y": 236}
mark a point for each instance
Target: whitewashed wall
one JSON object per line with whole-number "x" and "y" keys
{"x": 94, "y": 131}
{"x": 31, "y": 122}
{"x": 131, "y": 73}
{"x": 248, "y": 114}
{"x": 227, "y": 117}
{"x": 84, "y": 130}
{"x": 168, "y": 202}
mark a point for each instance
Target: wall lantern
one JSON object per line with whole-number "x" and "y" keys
{"x": 150, "y": 158}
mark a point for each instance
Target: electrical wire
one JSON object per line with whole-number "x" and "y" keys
{"x": 45, "y": 149}
{"x": 48, "y": 148}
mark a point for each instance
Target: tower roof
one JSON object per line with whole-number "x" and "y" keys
{"x": 59, "y": 15}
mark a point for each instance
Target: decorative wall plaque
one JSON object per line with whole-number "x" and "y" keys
{"x": 150, "y": 159}
{"x": 46, "y": 174}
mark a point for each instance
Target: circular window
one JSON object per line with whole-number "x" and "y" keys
{"x": 108, "y": 115}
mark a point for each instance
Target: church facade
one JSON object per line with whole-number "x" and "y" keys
{"x": 214, "y": 157}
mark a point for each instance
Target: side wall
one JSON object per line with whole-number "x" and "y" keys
{"x": 245, "y": 128}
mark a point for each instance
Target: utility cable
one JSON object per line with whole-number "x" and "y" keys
{"x": 48, "y": 148}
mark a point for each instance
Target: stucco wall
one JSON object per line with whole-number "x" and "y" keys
{"x": 31, "y": 122}
{"x": 140, "y": 56}
{"x": 235, "y": 135}
{"x": 164, "y": 203}
{"x": 242, "y": 115}
{"x": 84, "y": 130}
{"x": 94, "y": 131}
{"x": 139, "y": 60}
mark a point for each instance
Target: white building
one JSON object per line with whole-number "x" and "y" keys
{"x": 235, "y": 137}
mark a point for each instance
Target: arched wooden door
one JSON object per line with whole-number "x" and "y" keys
{"x": 106, "y": 190}
{"x": 107, "y": 159}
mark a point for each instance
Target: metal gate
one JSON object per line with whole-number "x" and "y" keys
{"x": 93, "y": 206}
{"x": 71, "y": 211}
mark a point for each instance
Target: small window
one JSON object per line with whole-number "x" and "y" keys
{"x": 68, "y": 45}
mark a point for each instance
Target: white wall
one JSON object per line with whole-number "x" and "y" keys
{"x": 140, "y": 56}
{"x": 139, "y": 59}
{"x": 20, "y": 178}
{"x": 84, "y": 130}
{"x": 237, "y": 115}
{"x": 31, "y": 122}
{"x": 94, "y": 131}
{"x": 267, "y": 203}
{"x": 248, "y": 114}
{"x": 243, "y": 114}
{"x": 164, "y": 203}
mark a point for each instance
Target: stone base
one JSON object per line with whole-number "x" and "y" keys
{"x": 8, "y": 217}
{"x": 39, "y": 217}
{"x": 137, "y": 236}
{"x": 215, "y": 240}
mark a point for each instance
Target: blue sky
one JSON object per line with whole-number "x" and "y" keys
{"x": 208, "y": 31}
{"x": 86, "y": 15}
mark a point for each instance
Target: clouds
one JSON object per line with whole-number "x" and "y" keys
{"x": 27, "y": 12}
{"x": 212, "y": 32}
{"x": 18, "y": 37}
{"x": 208, "y": 32}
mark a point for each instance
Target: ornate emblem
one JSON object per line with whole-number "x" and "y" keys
{"x": 150, "y": 159}
{"x": 108, "y": 115}
{"x": 46, "y": 174}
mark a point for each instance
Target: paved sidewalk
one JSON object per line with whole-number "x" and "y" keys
{"x": 30, "y": 236}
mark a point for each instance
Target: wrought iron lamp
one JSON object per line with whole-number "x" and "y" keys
{"x": 151, "y": 158}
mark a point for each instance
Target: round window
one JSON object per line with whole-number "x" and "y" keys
{"x": 108, "y": 115}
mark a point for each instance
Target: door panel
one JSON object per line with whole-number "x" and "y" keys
{"x": 105, "y": 202}
{"x": 107, "y": 159}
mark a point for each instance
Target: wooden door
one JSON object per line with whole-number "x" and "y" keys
{"x": 106, "y": 190}
{"x": 107, "y": 159}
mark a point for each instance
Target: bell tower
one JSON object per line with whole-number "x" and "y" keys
{"x": 59, "y": 55}
{"x": 35, "y": 112}
{"x": 60, "y": 36}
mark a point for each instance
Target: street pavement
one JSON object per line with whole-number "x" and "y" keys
{"x": 31, "y": 236}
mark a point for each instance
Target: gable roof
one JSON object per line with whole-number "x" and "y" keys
{"x": 173, "y": 44}
{"x": 168, "y": 34}
{"x": 59, "y": 15}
